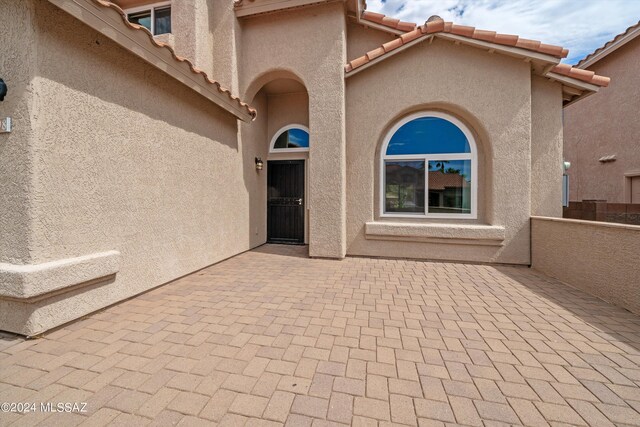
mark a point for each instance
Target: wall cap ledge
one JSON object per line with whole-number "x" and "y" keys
{"x": 27, "y": 282}
{"x": 470, "y": 234}
{"x": 589, "y": 223}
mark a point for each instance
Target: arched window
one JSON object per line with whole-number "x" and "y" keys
{"x": 292, "y": 138}
{"x": 429, "y": 168}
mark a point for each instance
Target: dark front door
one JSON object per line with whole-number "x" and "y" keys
{"x": 285, "y": 201}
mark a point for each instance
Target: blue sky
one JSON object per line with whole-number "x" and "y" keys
{"x": 579, "y": 25}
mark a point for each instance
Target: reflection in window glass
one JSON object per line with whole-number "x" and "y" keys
{"x": 162, "y": 24}
{"x": 450, "y": 186}
{"x": 404, "y": 187}
{"x": 292, "y": 138}
{"x": 428, "y": 135}
{"x": 141, "y": 18}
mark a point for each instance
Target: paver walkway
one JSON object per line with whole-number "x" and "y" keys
{"x": 272, "y": 337}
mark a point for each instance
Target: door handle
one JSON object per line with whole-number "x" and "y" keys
{"x": 299, "y": 201}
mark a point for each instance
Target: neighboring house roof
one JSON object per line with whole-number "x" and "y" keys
{"x": 439, "y": 180}
{"x": 165, "y": 54}
{"x": 618, "y": 41}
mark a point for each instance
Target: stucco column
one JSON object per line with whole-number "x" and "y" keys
{"x": 327, "y": 157}
{"x": 327, "y": 172}
{"x": 192, "y": 33}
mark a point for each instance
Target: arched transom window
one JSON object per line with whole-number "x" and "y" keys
{"x": 429, "y": 168}
{"x": 292, "y": 138}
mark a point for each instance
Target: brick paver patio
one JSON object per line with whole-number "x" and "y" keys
{"x": 271, "y": 337}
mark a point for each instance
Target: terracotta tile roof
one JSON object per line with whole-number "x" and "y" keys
{"x": 439, "y": 180}
{"x": 387, "y": 21}
{"x": 161, "y": 45}
{"x": 580, "y": 74}
{"x": 439, "y": 26}
{"x": 608, "y": 44}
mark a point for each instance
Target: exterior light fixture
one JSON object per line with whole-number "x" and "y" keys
{"x": 3, "y": 90}
{"x": 259, "y": 164}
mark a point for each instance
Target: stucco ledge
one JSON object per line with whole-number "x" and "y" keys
{"x": 28, "y": 283}
{"x": 466, "y": 234}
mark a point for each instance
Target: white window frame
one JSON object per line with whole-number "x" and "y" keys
{"x": 472, "y": 156}
{"x": 272, "y": 148}
{"x": 152, "y": 8}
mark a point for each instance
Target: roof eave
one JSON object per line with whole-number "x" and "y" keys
{"x": 545, "y": 62}
{"x": 247, "y": 9}
{"x": 543, "y": 59}
{"x": 109, "y": 22}
{"x": 584, "y": 89}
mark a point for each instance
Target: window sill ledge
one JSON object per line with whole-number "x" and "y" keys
{"x": 464, "y": 234}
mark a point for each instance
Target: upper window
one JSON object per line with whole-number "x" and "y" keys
{"x": 428, "y": 168}
{"x": 154, "y": 17}
{"x": 290, "y": 138}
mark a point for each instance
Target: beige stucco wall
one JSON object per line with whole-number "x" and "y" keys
{"x": 17, "y": 68}
{"x": 602, "y": 259}
{"x": 124, "y": 158}
{"x": 546, "y": 148}
{"x": 604, "y": 124}
{"x": 309, "y": 44}
{"x": 285, "y": 109}
{"x": 492, "y": 95}
{"x": 361, "y": 39}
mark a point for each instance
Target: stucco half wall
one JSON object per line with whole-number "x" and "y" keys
{"x": 122, "y": 158}
{"x": 495, "y": 97}
{"x": 600, "y": 258}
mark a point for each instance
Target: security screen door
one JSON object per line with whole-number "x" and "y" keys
{"x": 285, "y": 202}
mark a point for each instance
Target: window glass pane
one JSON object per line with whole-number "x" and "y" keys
{"x": 141, "y": 18}
{"x": 293, "y": 138}
{"x": 404, "y": 187}
{"x": 428, "y": 135}
{"x": 163, "y": 20}
{"x": 450, "y": 186}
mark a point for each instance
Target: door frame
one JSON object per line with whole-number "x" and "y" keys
{"x": 628, "y": 183}
{"x": 283, "y": 157}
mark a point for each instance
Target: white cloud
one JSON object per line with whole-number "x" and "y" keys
{"x": 579, "y": 25}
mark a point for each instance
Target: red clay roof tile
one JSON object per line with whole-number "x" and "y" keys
{"x": 580, "y": 74}
{"x": 488, "y": 36}
{"x": 388, "y": 21}
{"x": 439, "y": 26}
{"x": 373, "y": 54}
{"x": 411, "y": 35}
{"x": 506, "y": 39}
{"x": 392, "y": 45}
{"x": 433, "y": 27}
{"x": 462, "y": 30}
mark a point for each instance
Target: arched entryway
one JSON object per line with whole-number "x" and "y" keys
{"x": 284, "y": 132}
